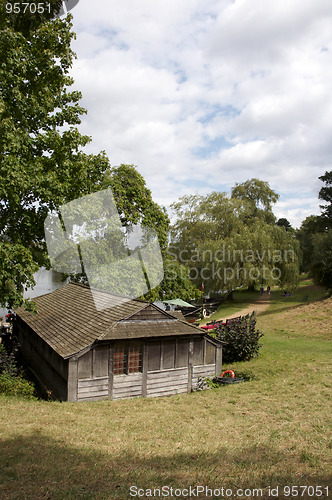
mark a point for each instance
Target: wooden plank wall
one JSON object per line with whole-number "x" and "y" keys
{"x": 159, "y": 383}
{"x": 92, "y": 389}
{"x": 50, "y": 369}
{"x": 167, "y": 382}
{"x": 202, "y": 371}
{"x": 151, "y": 382}
{"x": 127, "y": 386}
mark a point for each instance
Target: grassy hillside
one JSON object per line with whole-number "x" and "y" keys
{"x": 273, "y": 431}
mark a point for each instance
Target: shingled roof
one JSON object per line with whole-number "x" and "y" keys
{"x": 68, "y": 321}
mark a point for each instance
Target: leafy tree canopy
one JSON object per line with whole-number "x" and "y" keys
{"x": 326, "y": 194}
{"x": 42, "y": 164}
{"x": 284, "y": 223}
{"x": 134, "y": 200}
{"x": 259, "y": 195}
{"x": 176, "y": 283}
{"x": 136, "y": 207}
{"x": 321, "y": 259}
{"x": 227, "y": 243}
{"x": 314, "y": 236}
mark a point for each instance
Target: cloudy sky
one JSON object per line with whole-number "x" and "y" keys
{"x": 201, "y": 94}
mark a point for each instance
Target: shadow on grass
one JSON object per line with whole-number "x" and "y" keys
{"x": 41, "y": 468}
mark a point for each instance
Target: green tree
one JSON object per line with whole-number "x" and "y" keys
{"x": 321, "y": 260}
{"x": 176, "y": 283}
{"x": 42, "y": 164}
{"x": 306, "y": 235}
{"x": 259, "y": 195}
{"x": 134, "y": 200}
{"x": 229, "y": 242}
{"x": 326, "y": 194}
{"x": 135, "y": 207}
{"x": 284, "y": 223}
{"x": 315, "y": 240}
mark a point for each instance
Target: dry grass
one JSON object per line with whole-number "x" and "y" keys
{"x": 312, "y": 320}
{"x": 272, "y": 431}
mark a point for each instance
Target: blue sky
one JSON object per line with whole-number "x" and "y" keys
{"x": 201, "y": 94}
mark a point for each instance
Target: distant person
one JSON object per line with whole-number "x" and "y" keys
{"x": 262, "y": 290}
{"x": 268, "y": 290}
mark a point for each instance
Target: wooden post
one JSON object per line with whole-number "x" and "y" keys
{"x": 110, "y": 372}
{"x": 93, "y": 363}
{"x": 190, "y": 365}
{"x": 72, "y": 383}
{"x": 145, "y": 369}
{"x": 161, "y": 366}
{"x": 218, "y": 360}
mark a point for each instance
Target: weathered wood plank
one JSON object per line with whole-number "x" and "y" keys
{"x": 145, "y": 368}
{"x": 165, "y": 386}
{"x": 72, "y": 380}
{"x": 127, "y": 377}
{"x": 190, "y": 365}
{"x": 170, "y": 378}
{"x": 127, "y": 395}
{"x": 167, "y": 373}
{"x": 124, "y": 392}
{"x": 167, "y": 381}
{"x": 167, "y": 392}
{"x": 92, "y": 398}
{"x": 92, "y": 382}
{"x": 218, "y": 367}
{"x": 204, "y": 373}
{"x": 94, "y": 390}
{"x": 197, "y": 369}
{"x": 126, "y": 386}
{"x": 119, "y": 379}
{"x": 110, "y": 371}
{"x": 162, "y": 390}
{"x": 91, "y": 390}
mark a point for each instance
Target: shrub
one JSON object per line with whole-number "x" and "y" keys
{"x": 206, "y": 383}
{"x": 7, "y": 362}
{"x": 11, "y": 381}
{"x": 15, "y": 386}
{"x": 241, "y": 339}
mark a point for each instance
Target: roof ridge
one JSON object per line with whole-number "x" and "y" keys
{"x": 145, "y": 306}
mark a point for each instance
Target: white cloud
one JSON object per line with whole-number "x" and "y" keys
{"x": 203, "y": 94}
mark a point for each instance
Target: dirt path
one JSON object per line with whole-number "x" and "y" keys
{"x": 261, "y": 304}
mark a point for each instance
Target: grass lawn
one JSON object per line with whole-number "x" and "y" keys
{"x": 273, "y": 431}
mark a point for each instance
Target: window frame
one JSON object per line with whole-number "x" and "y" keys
{"x": 127, "y": 365}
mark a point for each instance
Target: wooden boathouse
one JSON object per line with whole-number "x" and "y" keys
{"x": 128, "y": 349}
